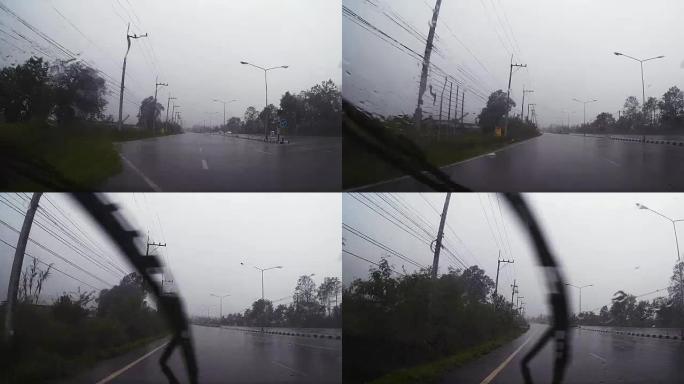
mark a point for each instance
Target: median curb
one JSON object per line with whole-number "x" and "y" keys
{"x": 640, "y": 140}
{"x": 297, "y": 334}
{"x": 638, "y": 334}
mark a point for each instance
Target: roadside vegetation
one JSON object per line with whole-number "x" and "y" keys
{"x": 663, "y": 116}
{"x": 59, "y": 339}
{"x": 394, "y": 320}
{"x": 440, "y": 142}
{"x": 312, "y": 112}
{"x": 52, "y": 116}
{"x": 311, "y": 307}
{"x": 627, "y": 310}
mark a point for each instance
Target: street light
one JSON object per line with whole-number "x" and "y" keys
{"x": 266, "y": 83}
{"x": 262, "y": 276}
{"x": 220, "y": 297}
{"x": 585, "y": 107}
{"x": 679, "y": 259}
{"x": 643, "y": 89}
{"x": 224, "y": 108}
{"x": 580, "y": 295}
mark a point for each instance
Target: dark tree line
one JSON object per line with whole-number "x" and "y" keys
{"x": 627, "y": 310}
{"x": 393, "y": 322}
{"x": 312, "y": 306}
{"x": 493, "y": 115}
{"x": 315, "y": 112}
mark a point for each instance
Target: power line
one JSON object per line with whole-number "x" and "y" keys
{"x": 371, "y": 262}
{"x": 380, "y": 245}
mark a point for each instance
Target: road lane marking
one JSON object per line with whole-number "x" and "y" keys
{"x": 612, "y": 162}
{"x": 200, "y": 149}
{"x": 598, "y": 357}
{"x": 503, "y": 365}
{"x": 258, "y": 150}
{"x": 149, "y": 182}
{"x": 288, "y": 368}
{"x": 204, "y": 165}
{"x": 315, "y": 346}
{"x": 124, "y": 369}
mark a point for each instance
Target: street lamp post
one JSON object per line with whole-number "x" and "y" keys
{"x": 643, "y": 88}
{"x": 585, "y": 107}
{"x": 224, "y": 108}
{"x": 580, "y": 295}
{"x": 266, "y": 83}
{"x": 679, "y": 259}
{"x": 220, "y": 297}
{"x": 262, "y": 276}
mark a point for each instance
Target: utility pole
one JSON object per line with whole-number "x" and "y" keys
{"x": 462, "y": 104}
{"x": 528, "y": 110}
{"x": 147, "y": 253}
{"x": 451, "y": 88}
{"x": 522, "y": 106}
{"x": 154, "y": 110}
{"x": 438, "y": 245}
{"x": 514, "y": 290}
{"x": 426, "y": 65}
{"x": 17, "y": 264}
{"x": 123, "y": 72}
{"x": 508, "y": 95}
{"x": 441, "y": 98}
{"x": 168, "y": 103}
{"x": 498, "y": 264}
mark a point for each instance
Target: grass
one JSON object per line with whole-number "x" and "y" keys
{"x": 363, "y": 168}
{"x": 83, "y": 156}
{"x": 432, "y": 372}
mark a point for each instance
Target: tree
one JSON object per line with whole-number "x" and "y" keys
{"x": 25, "y": 91}
{"x": 305, "y": 291}
{"x": 261, "y": 313}
{"x": 251, "y": 120}
{"x": 649, "y": 109}
{"x": 123, "y": 299}
{"x": 328, "y": 290}
{"x": 234, "y": 124}
{"x": 31, "y": 283}
{"x": 292, "y": 110}
{"x": 79, "y": 92}
{"x": 497, "y": 106}
{"x": 672, "y": 106}
{"x": 604, "y": 121}
{"x": 477, "y": 284}
{"x": 270, "y": 115}
{"x": 632, "y": 110}
{"x": 149, "y": 112}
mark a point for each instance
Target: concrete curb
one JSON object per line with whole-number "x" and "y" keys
{"x": 298, "y": 334}
{"x": 635, "y": 140}
{"x": 634, "y": 334}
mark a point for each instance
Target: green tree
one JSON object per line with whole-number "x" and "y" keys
{"x": 149, "y": 112}
{"x": 649, "y": 109}
{"x": 632, "y": 109}
{"x": 604, "y": 122}
{"x": 252, "y": 124}
{"x": 491, "y": 115}
{"x": 79, "y": 92}
{"x": 25, "y": 91}
{"x": 672, "y": 107}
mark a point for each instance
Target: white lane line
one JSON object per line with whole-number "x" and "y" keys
{"x": 149, "y": 182}
{"x": 316, "y": 346}
{"x": 612, "y": 162}
{"x": 200, "y": 149}
{"x": 598, "y": 357}
{"x": 498, "y": 369}
{"x": 258, "y": 150}
{"x": 288, "y": 368}
{"x": 124, "y": 369}
{"x": 204, "y": 165}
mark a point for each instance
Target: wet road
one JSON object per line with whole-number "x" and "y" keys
{"x": 233, "y": 356}
{"x": 203, "y": 162}
{"x": 555, "y": 163}
{"x": 596, "y": 358}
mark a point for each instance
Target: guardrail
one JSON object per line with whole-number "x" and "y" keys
{"x": 289, "y": 333}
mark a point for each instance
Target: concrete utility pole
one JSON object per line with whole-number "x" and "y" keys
{"x": 451, "y": 88}
{"x": 123, "y": 72}
{"x": 498, "y": 264}
{"x": 514, "y": 290}
{"x": 147, "y": 253}
{"x": 440, "y": 234}
{"x": 517, "y": 302}
{"x": 17, "y": 264}
{"x": 508, "y": 95}
{"x": 168, "y": 104}
{"x": 156, "y": 86}
{"x": 463, "y": 105}
{"x": 528, "y": 109}
{"x": 441, "y": 98}
{"x": 522, "y": 106}
{"x": 426, "y": 65}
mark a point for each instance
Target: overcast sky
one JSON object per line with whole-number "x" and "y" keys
{"x": 207, "y": 236}
{"x": 567, "y": 46}
{"x": 599, "y": 239}
{"x": 194, "y": 46}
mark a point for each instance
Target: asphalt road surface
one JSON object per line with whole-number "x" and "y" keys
{"x": 564, "y": 163}
{"x": 204, "y": 162}
{"x": 230, "y": 356}
{"x": 595, "y": 358}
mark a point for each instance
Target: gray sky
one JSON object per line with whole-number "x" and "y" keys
{"x": 207, "y": 236}
{"x": 194, "y": 46}
{"x": 568, "y": 46}
{"x": 599, "y": 239}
